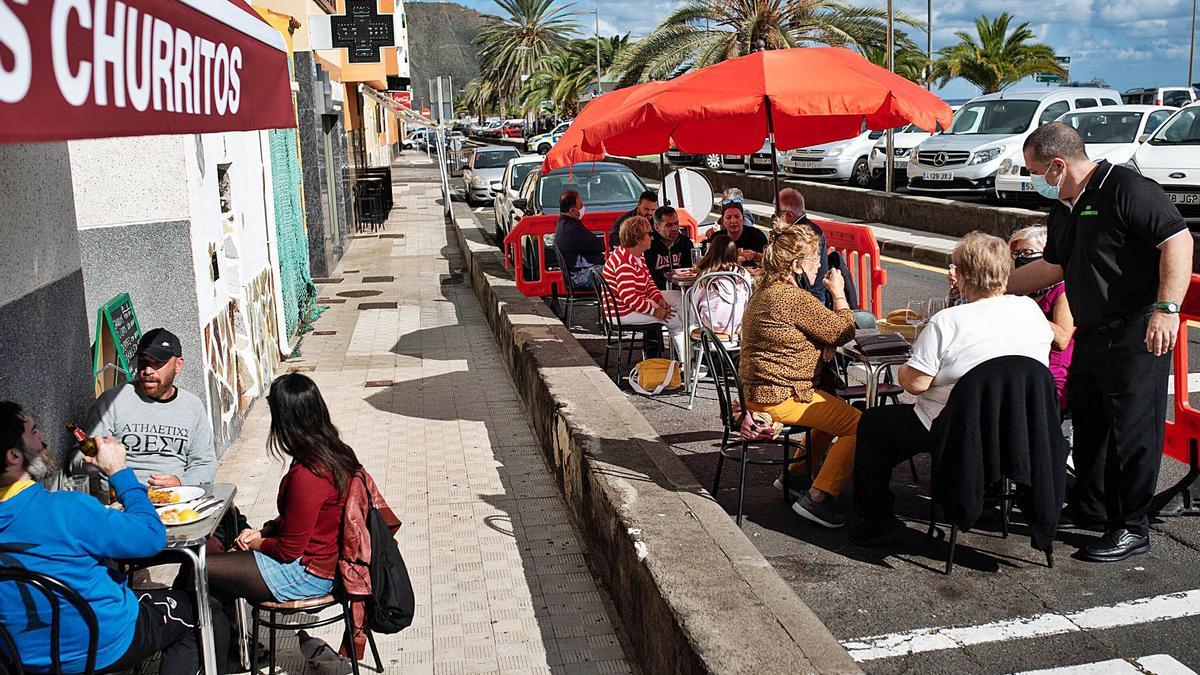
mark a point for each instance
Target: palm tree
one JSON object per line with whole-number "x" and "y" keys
{"x": 566, "y": 73}
{"x": 908, "y": 60}
{"x": 479, "y": 98}
{"x": 511, "y": 47}
{"x": 995, "y": 57}
{"x": 703, "y": 32}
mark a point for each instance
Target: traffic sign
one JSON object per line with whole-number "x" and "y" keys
{"x": 1064, "y": 62}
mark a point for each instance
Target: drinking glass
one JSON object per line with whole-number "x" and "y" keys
{"x": 77, "y": 484}
{"x": 917, "y": 312}
{"x": 935, "y": 305}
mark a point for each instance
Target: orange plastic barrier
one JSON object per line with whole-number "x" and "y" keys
{"x": 536, "y": 273}
{"x": 1182, "y": 438}
{"x": 859, "y": 249}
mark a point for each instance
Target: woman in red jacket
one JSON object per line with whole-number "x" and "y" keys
{"x": 638, "y": 301}
{"x": 295, "y": 555}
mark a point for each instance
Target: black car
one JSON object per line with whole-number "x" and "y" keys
{"x": 604, "y": 186}
{"x": 676, "y": 156}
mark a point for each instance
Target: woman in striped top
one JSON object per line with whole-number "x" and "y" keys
{"x": 638, "y": 301}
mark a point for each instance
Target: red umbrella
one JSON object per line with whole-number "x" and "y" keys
{"x": 568, "y": 150}
{"x": 794, "y": 97}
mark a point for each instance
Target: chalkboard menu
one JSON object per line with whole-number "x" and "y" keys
{"x": 117, "y": 335}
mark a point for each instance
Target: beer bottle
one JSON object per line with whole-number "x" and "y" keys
{"x": 86, "y": 445}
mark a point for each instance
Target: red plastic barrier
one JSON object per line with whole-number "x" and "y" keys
{"x": 859, "y": 249}
{"x": 1185, "y": 429}
{"x": 534, "y": 276}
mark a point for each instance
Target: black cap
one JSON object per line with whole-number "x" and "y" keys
{"x": 160, "y": 344}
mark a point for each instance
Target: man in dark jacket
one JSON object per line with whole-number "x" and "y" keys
{"x": 647, "y": 201}
{"x": 581, "y": 249}
{"x": 669, "y": 248}
{"x": 791, "y": 210}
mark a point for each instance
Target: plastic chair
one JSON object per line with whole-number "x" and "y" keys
{"x": 306, "y": 606}
{"x": 610, "y": 324}
{"x": 700, "y": 296}
{"x": 570, "y": 291}
{"x": 729, "y": 384}
{"x": 50, "y": 588}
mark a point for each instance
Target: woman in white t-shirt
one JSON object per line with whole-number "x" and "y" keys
{"x": 988, "y": 325}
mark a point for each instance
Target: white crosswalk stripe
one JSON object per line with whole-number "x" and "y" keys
{"x": 1158, "y": 664}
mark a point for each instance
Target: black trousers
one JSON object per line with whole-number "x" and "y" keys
{"x": 166, "y": 622}
{"x": 1118, "y": 399}
{"x": 887, "y": 435}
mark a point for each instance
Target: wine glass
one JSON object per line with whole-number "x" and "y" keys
{"x": 916, "y": 315}
{"x": 935, "y": 305}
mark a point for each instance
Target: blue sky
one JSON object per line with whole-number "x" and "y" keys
{"x": 1125, "y": 42}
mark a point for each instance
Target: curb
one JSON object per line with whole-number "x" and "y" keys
{"x": 694, "y": 595}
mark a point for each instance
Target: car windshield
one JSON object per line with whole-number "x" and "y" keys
{"x": 494, "y": 159}
{"x": 599, "y": 190}
{"x": 1106, "y": 127}
{"x": 519, "y": 172}
{"x": 994, "y": 117}
{"x": 1182, "y": 129}
{"x": 561, "y": 129}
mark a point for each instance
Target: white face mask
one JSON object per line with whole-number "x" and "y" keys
{"x": 582, "y": 211}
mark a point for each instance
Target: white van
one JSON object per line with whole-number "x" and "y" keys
{"x": 1172, "y": 159}
{"x": 1111, "y": 133}
{"x": 1175, "y": 97}
{"x": 845, "y": 160}
{"x": 989, "y": 130}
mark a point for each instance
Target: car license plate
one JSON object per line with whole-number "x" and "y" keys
{"x": 900, "y": 163}
{"x": 736, "y": 158}
{"x": 939, "y": 175}
{"x": 1026, "y": 186}
{"x": 1184, "y": 198}
{"x": 807, "y": 163}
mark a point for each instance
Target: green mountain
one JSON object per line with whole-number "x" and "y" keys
{"x": 439, "y": 40}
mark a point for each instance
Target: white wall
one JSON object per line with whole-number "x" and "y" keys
{"x": 119, "y": 181}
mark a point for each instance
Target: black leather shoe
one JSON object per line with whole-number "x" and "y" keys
{"x": 1115, "y": 545}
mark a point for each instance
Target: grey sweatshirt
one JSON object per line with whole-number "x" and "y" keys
{"x": 161, "y": 437}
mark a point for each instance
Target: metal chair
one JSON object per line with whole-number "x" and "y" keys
{"x": 570, "y": 291}
{"x": 614, "y": 331}
{"x": 729, "y": 384}
{"x": 703, "y": 291}
{"x": 50, "y": 588}
{"x": 306, "y": 606}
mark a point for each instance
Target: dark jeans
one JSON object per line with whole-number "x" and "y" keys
{"x": 1118, "y": 399}
{"x": 887, "y": 435}
{"x": 166, "y": 622}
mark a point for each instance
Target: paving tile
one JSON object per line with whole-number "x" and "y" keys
{"x": 497, "y": 567}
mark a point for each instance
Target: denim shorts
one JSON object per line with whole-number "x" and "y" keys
{"x": 290, "y": 581}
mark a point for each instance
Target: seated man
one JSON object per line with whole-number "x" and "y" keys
{"x": 70, "y": 536}
{"x": 167, "y": 430}
{"x": 581, "y": 249}
{"x": 670, "y": 249}
{"x": 646, "y": 203}
{"x": 990, "y": 324}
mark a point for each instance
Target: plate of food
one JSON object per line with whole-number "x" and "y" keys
{"x": 179, "y": 516}
{"x": 175, "y": 496}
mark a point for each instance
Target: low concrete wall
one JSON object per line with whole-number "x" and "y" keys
{"x": 694, "y": 594}
{"x": 927, "y": 214}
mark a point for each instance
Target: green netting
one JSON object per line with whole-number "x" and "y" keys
{"x": 299, "y": 292}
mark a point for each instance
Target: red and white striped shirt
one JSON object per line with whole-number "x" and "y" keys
{"x": 631, "y": 284}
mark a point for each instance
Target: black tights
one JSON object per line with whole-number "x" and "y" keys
{"x": 235, "y": 575}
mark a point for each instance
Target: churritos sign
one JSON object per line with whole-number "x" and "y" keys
{"x": 97, "y": 68}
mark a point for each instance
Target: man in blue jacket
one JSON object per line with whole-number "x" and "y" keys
{"x": 69, "y": 536}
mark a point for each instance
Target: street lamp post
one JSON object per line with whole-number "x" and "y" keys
{"x": 596, "y": 13}
{"x": 889, "y": 146}
{"x": 1192, "y": 45}
{"x": 929, "y": 44}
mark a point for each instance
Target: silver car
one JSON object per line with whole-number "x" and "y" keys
{"x": 485, "y": 167}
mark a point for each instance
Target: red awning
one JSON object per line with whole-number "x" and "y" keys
{"x": 97, "y": 68}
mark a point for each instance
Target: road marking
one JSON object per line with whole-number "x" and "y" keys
{"x": 1158, "y": 664}
{"x": 917, "y": 265}
{"x": 1143, "y": 610}
{"x": 478, "y": 209}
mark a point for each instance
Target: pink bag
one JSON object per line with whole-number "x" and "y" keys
{"x": 758, "y": 426}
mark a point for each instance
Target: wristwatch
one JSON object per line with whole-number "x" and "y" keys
{"x": 1167, "y": 307}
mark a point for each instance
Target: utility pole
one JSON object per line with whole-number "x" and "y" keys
{"x": 890, "y": 145}
{"x": 1192, "y": 45}
{"x": 596, "y": 13}
{"x": 929, "y": 44}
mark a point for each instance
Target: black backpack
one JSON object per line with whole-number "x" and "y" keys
{"x": 392, "y": 603}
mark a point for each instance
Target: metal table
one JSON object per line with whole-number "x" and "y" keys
{"x": 875, "y": 365}
{"x": 189, "y": 540}
{"x": 684, "y": 283}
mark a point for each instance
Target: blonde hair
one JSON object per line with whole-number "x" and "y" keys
{"x": 787, "y": 243}
{"x": 982, "y": 264}
{"x": 632, "y": 231}
{"x": 1036, "y": 236}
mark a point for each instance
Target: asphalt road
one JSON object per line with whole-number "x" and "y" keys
{"x": 892, "y": 606}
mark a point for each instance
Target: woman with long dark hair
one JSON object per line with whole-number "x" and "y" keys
{"x": 295, "y": 555}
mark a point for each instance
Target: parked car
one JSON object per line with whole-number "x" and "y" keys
{"x": 1171, "y": 157}
{"x": 987, "y": 131}
{"x": 760, "y": 162}
{"x": 903, "y": 141}
{"x": 484, "y": 167}
{"x": 508, "y": 188}
{"x": 1174, "y": 97}
{"x": 604, "y": 186}
{"x": 491, "y": 129}
{"x": 512, "y": 129}
{"x": 542, "y": 143}
{"x": 675, "y": 156}
{"x": 417, "y": 138}
{"x": 733, "y": 162}
{"x": 846, "y": 160}
{"x": 1112, "y": 133}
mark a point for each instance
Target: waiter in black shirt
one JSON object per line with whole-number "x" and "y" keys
{"x": 1126, "y": 256}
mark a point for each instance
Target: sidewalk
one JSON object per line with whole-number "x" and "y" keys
{"x": 414, "y": 382}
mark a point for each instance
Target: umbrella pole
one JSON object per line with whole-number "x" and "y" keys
{"x": 774, "y": 162}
